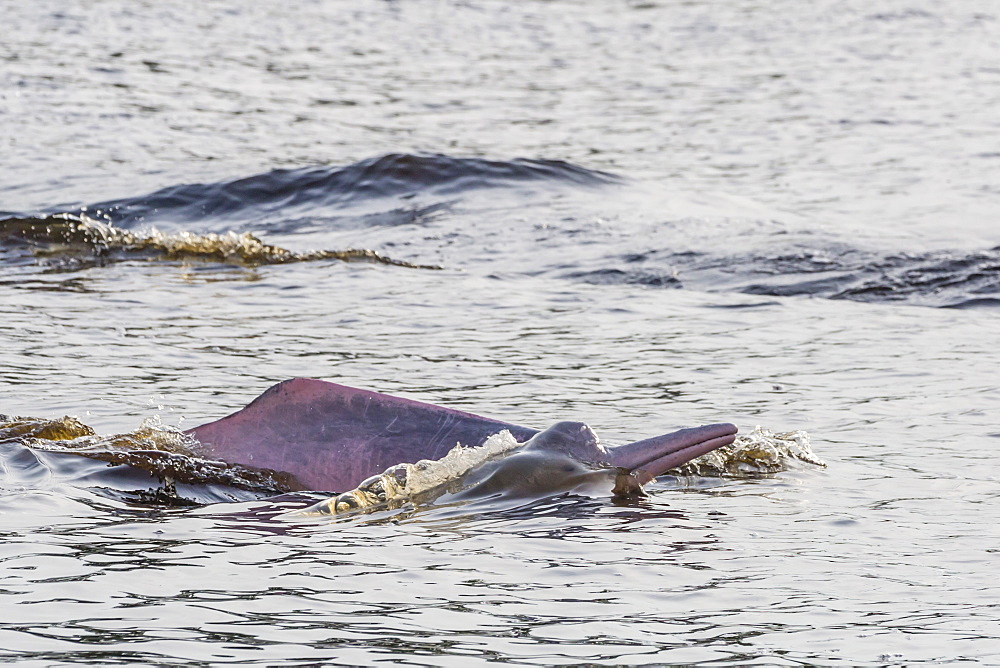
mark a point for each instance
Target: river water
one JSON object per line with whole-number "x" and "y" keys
{"x": 641, "y": 215}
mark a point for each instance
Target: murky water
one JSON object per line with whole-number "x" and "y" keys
{"x": 645, "y": 216}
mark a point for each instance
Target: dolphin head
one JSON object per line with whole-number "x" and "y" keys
{"x": 568, "y": 454}
{"x": 572, "y": 439}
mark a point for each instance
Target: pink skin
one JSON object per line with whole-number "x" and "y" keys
{"x": 331, "y": 437}
{"x": 655, "y": 456}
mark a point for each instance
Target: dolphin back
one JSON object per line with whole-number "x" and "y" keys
{"x": 331, "y": 437}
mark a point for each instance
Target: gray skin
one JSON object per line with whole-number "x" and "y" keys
{"x": 564, "y": 456}
{"x": 569, "y": 456}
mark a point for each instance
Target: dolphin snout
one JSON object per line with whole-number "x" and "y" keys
{"x": 655, "y": 456}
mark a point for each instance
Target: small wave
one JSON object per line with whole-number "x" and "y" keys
{"x": 66, "y": 242}
{"x": 168, "y": 455}
{"x": 652, "y": 278}
{"x": 978, "y": 302}
{"x": 938, "y": 279}
{"x": 283, "y": 191}
{"x": 942, "y": 279}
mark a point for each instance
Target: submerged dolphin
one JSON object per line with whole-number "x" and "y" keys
{"x": 332, "y": 437}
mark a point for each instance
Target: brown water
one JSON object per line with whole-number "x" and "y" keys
{"x": 725, "y": 212}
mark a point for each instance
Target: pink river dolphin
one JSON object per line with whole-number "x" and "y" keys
{"x": 329, "y": 437}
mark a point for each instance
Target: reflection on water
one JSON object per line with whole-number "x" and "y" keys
{"x": 563, "y": 577}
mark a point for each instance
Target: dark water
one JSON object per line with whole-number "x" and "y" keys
{"x": 639, "y": 215}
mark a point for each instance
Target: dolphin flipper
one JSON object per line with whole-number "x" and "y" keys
{"x": 331, "y": 437}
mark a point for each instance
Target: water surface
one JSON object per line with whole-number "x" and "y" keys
{"x": 643, "y": 216}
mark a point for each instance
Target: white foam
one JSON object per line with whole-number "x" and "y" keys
{"x": 428, "y": 473}
{"x": 759, "y": 451}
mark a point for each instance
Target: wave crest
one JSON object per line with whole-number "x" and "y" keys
{"x": 282, "y": 191}
{"x": 69, "y": 242}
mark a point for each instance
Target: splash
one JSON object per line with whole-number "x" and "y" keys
{"x": 400, "y": 483}
{"x": 762, "y": 451}
{"x": 39, "y": 429}
{"x": 73, "y": 241}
